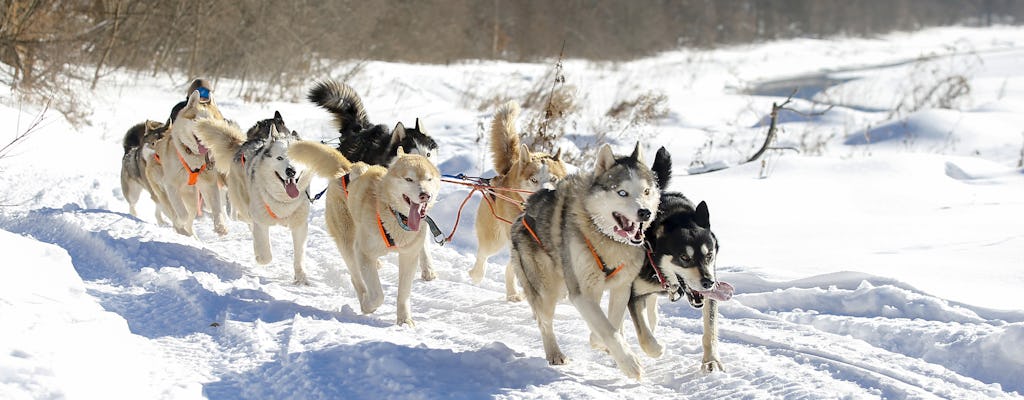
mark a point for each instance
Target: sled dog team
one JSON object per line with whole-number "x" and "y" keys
{"x": 611, "y": 229}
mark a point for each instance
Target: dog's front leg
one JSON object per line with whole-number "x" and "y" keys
{"x": 212, "y": 194}
{"x": 299, "y": 233}
{"x": 182, "y": 218}
{"x": 590, "y": 310}
{"x": 644, "y": 332}
{"x": 373, "y": 296}
{"x": 710, "y": 362}
{"x": 261, "y": 243}
{"x": 407, "y": 261}
{"x": 427, "y": 272}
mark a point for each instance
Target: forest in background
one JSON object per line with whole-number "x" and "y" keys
{"x": 44, "y": 44}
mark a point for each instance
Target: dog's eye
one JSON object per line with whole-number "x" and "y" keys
{"x": 647, "y": 191}
{"x": 280, "y": 158}
{"x": 553, "y": 179}
{"x": 709, "y": 256}
{"x": 428, "y": 154}
{"x": 623, "y": 193}
{"x": 408, "y": 179}
{"x": 533, "y": 180}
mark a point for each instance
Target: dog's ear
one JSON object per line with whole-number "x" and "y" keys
{"x": 662, "y": 167}
{"x": 702, "y": 215}
{"x": 397, "y": 134}
{"x": 193, "y": 98}
{"x": 638, "y": 155}
{"x": 605, "y": 159}
{"x": 558, "y": 155}
{"x": 277, "y": 116}
{"x": 418, "y": 129}
{"x": 524, "y": 154}
{"x": 401, "y": 151}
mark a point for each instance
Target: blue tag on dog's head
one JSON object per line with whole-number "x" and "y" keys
{"x": 204, "y": 93}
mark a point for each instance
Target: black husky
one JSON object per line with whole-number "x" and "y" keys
{"x": 361, "y": 140}
{"x": 681, "y": 262}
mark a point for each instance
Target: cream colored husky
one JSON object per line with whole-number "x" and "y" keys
{"x": 372, "y": 211}
{"x": 517, "y": 168}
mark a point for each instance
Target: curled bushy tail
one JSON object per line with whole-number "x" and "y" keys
{"x": 343, "y": 102}
{"x": 223, "y": 138}
{"x": 324, "y": 160}
{"x": 504, "y": 137}
{"x": 137, "y": 133}
{"x": 662, "y": 168}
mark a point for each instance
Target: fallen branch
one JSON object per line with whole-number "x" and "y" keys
{"x": 773, "y": 126}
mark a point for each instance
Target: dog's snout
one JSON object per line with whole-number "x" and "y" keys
{"x": 424, "y": 197}
{"x": 290, "y": 172}
{"x": 644, "y": 214}
{"x": 707, "y": 283}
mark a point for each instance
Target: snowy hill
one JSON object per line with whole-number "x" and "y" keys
{"x": 885, "y": 259}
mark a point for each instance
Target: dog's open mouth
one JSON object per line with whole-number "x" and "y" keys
{"x": 629, "y": 229}
{"x": 416, "y": 213}
{"x": 722, "y": 291}
{"x": 290, "y": 185}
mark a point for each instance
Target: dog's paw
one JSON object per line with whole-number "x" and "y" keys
{"x": 428, "y": 274}
{"x": 712, "y": 365}
{"x": 406, "y": 321}
{"x": 264, "y": 259}
{"x": 221, "y": 230}
{"x": 557, "y": 359}
{"x": 630, "y": 366}
{"x": 300, "y": 280}
{"x": 514, "y": 297}
{"x": 476, "y": 275}
{"x": 368, "y": 305}
{"x": 596, "y": 343}
{"x": 652, "y": 348}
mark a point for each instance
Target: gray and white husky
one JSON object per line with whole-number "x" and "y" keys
{"x": 585, "y": 238}
{"x": 683, "y": 250}
{"x": 264, "y": 186}
{"x": 139, "y": 152}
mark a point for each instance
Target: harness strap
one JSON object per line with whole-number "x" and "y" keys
{"x": 344, "y": 187}
{"x": 657, "y": 271}
{"x": 608, "y": 274}
{"x": 526, "y": 224}
{"x": 388, "y": 241}
{"x": 156, "y": 157}
{"x": 193, "y": 174}
{"x": 269, "y": 211}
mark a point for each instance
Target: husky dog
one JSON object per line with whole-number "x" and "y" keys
{"x": 372, "y": 211}
{"x": 585, "y": 238}
{"x": 187, "y": 176}
{"x": 517, "y": 168}
{"x": 138, "y": 150}
{"x": 362, "y": 141}
{"x": 263, "y": 185}
{"x": 683, "y": 249}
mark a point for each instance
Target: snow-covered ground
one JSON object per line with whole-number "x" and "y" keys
{"x": 885, "y": 259}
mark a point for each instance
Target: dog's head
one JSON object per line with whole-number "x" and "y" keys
{"x": 184, "y": 126}
{"x": 535, "y": 171}
{"x": 411, "y": 186}
{"x": 273, "y": 164}
{"x": 623, "y": 196}
{"x": 414, "y": 141}
{"x": 685, "y": 248}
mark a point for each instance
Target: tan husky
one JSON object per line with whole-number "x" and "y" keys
{"x": 264, "y": 186}
{"x": 372, "y": 211}
{"x": 517, "y": 168}
{"x": 187, "y": 177}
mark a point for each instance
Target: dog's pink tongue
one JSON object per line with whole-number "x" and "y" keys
{"x": 721, "y": 292}
{"x": 414, "y": 216}
{"x": 293, "y": 191}
{"x": 202, "y": 149}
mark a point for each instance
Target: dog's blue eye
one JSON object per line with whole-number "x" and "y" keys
{"x": 623, "y": 193}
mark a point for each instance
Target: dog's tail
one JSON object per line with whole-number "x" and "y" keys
{"x": 343, "y": 102}
{"x": 324, "y": 160}
{"x": 504, "y": 137}
{"x": 223, "y": 138}
{"x": 662, "y": 168}
{"x": 133, "y": 138}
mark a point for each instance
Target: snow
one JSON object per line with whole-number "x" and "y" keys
{"x": 882, "y": 260}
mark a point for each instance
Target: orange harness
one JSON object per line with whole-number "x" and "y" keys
{"x": 193, "y": 174}
{"x": 388, "y": 241}
{"x": 156, "y": 157}
{"x": 269, "y": 211}
{"x": 597, "y": 259}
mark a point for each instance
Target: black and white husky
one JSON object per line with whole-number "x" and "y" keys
{"x": 361, "y": 140}
{"x": 683, "y": 249}
{"x": 264, "y": 185}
